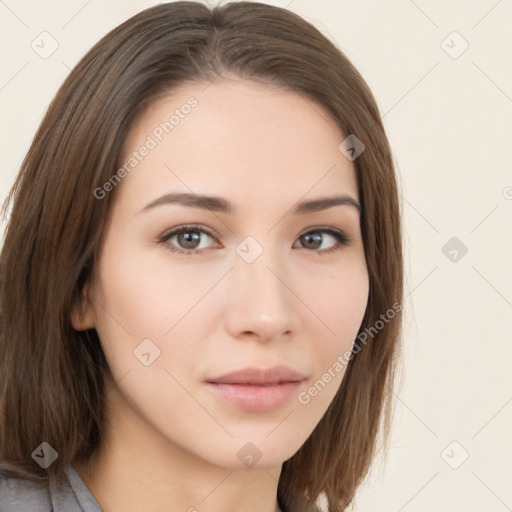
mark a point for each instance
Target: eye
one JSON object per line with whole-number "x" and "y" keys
{"x": 189, "y": 239}
{"x": 314, "y": 239}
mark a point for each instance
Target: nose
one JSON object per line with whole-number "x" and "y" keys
{"x": 261, "y": 302}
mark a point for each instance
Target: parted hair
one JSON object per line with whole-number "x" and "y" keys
{"x": 52, "y": 376}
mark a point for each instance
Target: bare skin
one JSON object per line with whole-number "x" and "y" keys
{"x": 170, "y": 443}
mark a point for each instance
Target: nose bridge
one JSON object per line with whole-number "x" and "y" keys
{"x": 260, "y": 300}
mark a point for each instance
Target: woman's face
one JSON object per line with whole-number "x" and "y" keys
{"x": 253, "y": 285}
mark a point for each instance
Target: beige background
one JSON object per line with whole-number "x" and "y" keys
{"x": 449, "y": 120}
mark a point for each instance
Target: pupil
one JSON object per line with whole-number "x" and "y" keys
{"x": 190, "y": 237}
{"x": 316, "y": 238}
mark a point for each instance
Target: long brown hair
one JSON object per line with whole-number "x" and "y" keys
{"x": 51, "y": 375}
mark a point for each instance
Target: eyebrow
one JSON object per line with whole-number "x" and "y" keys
{"x": 218, "y": 204}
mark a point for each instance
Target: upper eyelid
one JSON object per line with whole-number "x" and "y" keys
{"x": 212, "y": 232}
{"x": 189, "y": 227}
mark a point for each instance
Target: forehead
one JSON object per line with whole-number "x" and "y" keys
{"x": 236, "y": 138}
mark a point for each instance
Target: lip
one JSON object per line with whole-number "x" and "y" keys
{"x": 257, "y": 390}
{"x": 253, "y": 375}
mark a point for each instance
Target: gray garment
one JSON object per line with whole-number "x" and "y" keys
{"x": 65, "y": 494}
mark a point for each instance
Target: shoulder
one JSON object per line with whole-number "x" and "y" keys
{"x": 64, "y": 493}
{"x": 18, "y": 494}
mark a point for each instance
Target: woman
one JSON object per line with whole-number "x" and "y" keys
{"x": 202, "y": 274}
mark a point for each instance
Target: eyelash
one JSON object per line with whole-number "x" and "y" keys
{"x": 342, "y": 239}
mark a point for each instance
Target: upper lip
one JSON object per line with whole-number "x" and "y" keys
{"x": 252, "y": 375}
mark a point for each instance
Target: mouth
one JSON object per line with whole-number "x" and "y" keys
{"x": 257, "y": 390}
{"x": 255, "y": 397}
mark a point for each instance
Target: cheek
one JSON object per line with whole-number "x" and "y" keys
{"x": 144, "y": 298}
{"x": 342, "y": 306}
{"x": 340, "y": 303}
{"x": 144, "y": 295}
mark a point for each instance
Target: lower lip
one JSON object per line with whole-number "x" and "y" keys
{"x": 255, "y": 398}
